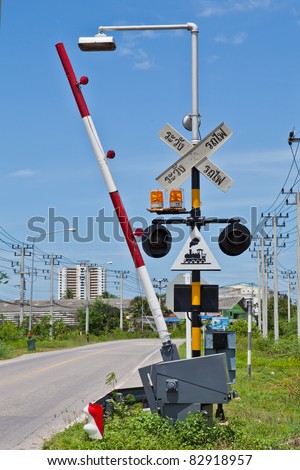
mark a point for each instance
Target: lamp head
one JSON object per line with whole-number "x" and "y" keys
{"x": 100, "y": 42}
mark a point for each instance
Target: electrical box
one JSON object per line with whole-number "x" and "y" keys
{"x": 216, "y": 342}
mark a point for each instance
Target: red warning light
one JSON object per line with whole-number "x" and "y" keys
{"x": 111, "y": 154}
{"x": 84, "y": 80}
{"x": 138, "y": 232}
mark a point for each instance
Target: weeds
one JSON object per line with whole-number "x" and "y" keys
{"x": 266, "y": 417}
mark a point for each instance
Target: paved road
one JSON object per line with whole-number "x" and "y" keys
{"x": 42, "y": 393}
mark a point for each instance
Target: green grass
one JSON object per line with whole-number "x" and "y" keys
{"x": 265, "y": 417}
{"x": 9, "y": 350}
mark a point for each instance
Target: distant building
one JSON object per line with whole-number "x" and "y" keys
{"x": 242, "y": 289}
{"x": 83, "y": 281}
{"x": 64, "y": 309}
{"x": 233, "y": 308}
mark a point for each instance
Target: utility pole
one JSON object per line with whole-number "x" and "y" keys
{"x": 264, "y": 289}
{"x": 275, "y": 281}
{"x": 297, "y": 203}
{"x": 259, "y": 296}
{"x": 298, "y": 262}
{"x": 288, "y": 275}
{"x": 22, "y": 252}
{"x": 159, "y": 286}
{"x": 262, "y": 268}
{"x": 259, "y": 289}
{"x": 275, "y": 225}
{"x": 85, "y": 277}
{"x": 121, "y": 275}
{"x": 53, "y": 261}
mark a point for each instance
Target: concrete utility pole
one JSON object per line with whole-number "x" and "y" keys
{"x": 121, "y": 275}
{"x": 297, "y": 203}
{"x": 53, "y": 260}
{"x": 264, "y": 291}
{"x": 86, "y": 278}
{"x": 275, "y": 281}
{"x": 288, "y": 275}
{"x": 22, "y": 252}
{"x": 159, "y": 286}
{"x": 259, "y": 289}
{"x": 275, "y": 226}
{"x": 298, "y": 262}
{"x": 257, "y": 255}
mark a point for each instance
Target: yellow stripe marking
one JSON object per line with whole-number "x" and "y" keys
{"x": 45, "y": 369}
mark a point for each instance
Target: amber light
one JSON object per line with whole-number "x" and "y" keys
{"x": 176, "y": 198}
{"x": 156, "y": 199}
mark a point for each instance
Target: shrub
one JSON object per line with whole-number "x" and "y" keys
{"x": 42, "y": 329}
{"x": 9, "y": 331}
{"x": 5, "y": 350}
{"x": 285, "y": 347}
{"x": 241, "y": 328}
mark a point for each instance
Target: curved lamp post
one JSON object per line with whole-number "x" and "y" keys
{"x": 102, "y": 42}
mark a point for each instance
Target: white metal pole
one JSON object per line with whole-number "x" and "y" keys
{"x": 249, "y": 305}
{"x": 195, "y": 110}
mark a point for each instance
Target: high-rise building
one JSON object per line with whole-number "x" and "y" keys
{"x": 81, "y": 280}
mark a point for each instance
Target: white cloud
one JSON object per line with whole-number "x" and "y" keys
{"x": 221, "y": 8}
{"x": 22, "y": 173}
{"x": 142, "y": 60}
{"x": 212, "y": 59}
{"x": 131, "y": 48}
{"x": 237, "y": 39}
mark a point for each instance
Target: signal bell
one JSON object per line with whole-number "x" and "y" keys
{"x": 234, "y": 239}
{"x": 156, "y": 241}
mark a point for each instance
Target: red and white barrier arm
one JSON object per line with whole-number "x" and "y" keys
{"x": 115, "y": 197}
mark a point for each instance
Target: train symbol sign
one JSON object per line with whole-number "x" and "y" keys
{"x": 195, "y": 255}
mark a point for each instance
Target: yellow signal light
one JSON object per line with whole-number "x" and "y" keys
{"x": 176, "y": 198}
{"x": 156, "y": 199}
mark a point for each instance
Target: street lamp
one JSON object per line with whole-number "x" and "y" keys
{"x": 101, "y": 42}
{"x": 31, "y": 281}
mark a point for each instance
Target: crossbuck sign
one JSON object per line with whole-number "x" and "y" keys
{"x": 194, "y": 156}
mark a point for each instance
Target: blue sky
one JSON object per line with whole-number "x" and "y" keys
{"x": 248, "y": 77}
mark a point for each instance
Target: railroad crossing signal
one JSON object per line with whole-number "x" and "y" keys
{"x": 194, "y": 156}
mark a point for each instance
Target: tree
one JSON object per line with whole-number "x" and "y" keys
{"x": 3, "y": 278}
{"x": 139, "y": 306}
{"x": 102, "y": 317}
{"x": 68, "y": 294}
{"x": 107, "y": 295}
